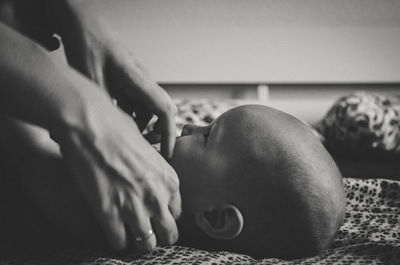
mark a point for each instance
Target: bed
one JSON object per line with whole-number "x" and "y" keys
{"x": 370, "y": 234}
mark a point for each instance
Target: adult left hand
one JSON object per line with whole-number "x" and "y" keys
{"x": 93, "y": 49}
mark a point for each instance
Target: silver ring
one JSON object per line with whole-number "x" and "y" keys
{"x": 145, "y": 237}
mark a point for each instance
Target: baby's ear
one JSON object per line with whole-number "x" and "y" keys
{"x": 221, "y": 222}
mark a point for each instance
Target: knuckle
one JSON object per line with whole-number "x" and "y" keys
{"x": 177, "y": 213}
{"x": 167, "y": 179}
{"x": 174, "y": 184}
{"x": 153, "y": 202}
{"x": 174, "y": 109}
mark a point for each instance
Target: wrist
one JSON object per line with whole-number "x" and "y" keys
{"x": 81, "y": 101}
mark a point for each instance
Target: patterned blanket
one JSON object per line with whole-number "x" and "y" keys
{"x": 370, "y": 234}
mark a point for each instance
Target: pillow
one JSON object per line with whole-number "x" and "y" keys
{"x": 362, "y": 124}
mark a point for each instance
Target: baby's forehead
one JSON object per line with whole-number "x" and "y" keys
{"x": 243, "y": 125}
{"x": 241, "y": 136}
{"x": 257, "y": 133}
{"x": 260, "y": 123}
{"x": 237, "y": 118}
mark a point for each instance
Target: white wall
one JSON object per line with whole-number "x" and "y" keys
{"x": 262, "y": 41}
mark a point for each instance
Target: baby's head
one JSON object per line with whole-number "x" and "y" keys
{"x": 257, "y": 181}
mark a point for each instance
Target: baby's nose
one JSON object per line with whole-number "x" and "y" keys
{"x": 189, "y": 129}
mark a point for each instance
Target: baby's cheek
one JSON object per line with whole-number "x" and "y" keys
{"x": 181, "y": 160}
{"x": 188, "y": 160}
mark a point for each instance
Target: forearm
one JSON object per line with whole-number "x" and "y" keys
{"x": 36, "y": 88}
{"x": 40, "y": 180}
{"x": 65, "y": 16}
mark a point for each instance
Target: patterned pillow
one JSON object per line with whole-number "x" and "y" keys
{"x": 201, "y": 111}
{"x": 204, "y": 111}
{"x": 362, "y": 123}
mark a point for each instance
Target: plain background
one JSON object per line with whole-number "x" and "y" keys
{"x": 262, "y": 41}
{"x": 306, "y": 52}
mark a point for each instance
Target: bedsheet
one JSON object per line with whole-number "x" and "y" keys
{"x": 370, "y": 234}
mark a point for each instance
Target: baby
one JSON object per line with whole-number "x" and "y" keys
{"x": 256, "y": 181}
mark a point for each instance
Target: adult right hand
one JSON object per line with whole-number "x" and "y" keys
{"x": 130, "y": 187}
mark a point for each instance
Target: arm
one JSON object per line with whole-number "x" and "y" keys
{"x": 48, "y": 191}
{"x": 124, "y": 180}
{"x": 93, "y": 48}
{"x": 28, "y": 72}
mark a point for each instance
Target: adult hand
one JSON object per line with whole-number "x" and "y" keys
{"x": 126, "y": 182}
{"x": 93, "y": 49}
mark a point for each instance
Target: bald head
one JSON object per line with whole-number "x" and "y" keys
{"x": 284, "y": 182}
{"x": 269, "y": 166}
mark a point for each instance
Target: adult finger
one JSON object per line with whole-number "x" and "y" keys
{"x": 108, "y": 217}
{"x": 175, "y": 205}
{"x": 166, "y": 127}
{"x": 114, "y": 230}
{"x": 165, "y": 228}
{"x": 140, "y": 226}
